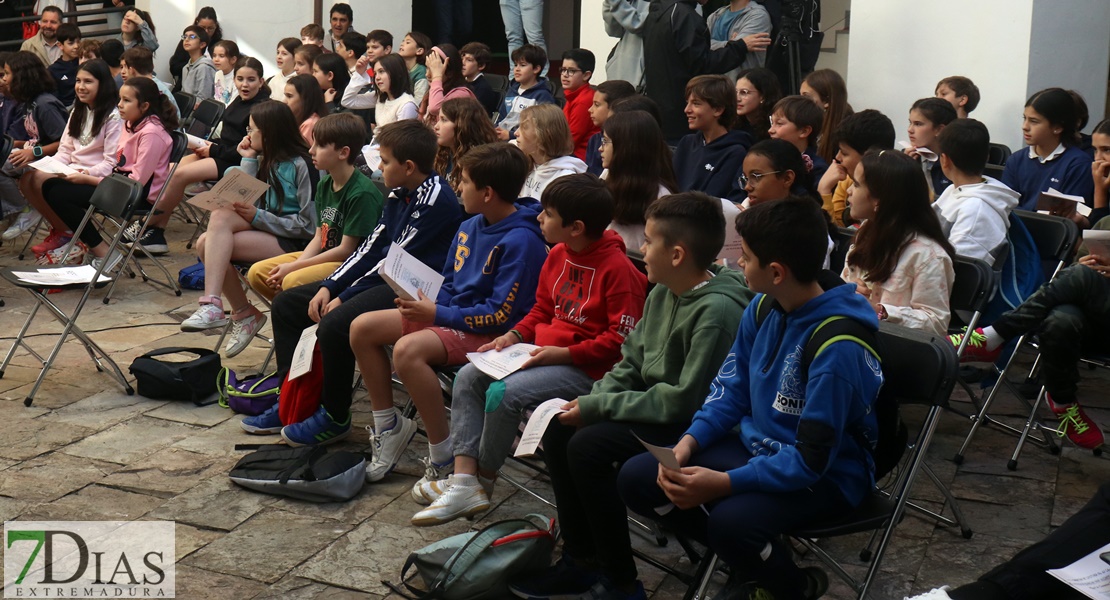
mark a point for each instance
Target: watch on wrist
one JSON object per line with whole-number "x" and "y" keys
{"x": 37, "y": 151}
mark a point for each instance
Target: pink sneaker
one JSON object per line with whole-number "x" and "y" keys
{"x": 1076, "y": 425}
{"x": 55, "y": 240}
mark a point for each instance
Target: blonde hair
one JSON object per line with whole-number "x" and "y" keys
{"x": 553, "y": 137}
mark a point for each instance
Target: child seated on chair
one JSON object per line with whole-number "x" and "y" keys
{"x": 421, "y": 214}
{"x": 855, "y": 135}
{"x": 348, "y": 206}
{"x": 490, "y": 281}
{"x": 667, "y": 364}
{"x": 796, "y": 460}
{"x": 589, "y": 298}
{"x": 281, "y": 221}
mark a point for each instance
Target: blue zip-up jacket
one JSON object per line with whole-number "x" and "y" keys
{"x": 491, "y": 276}
{"x": 797, "y": 435}
{"x": 422, "y": 221}
{"x": 713, "y": 168}
{"x": 516, "y": 101}
{"x": 1069, "y": 173}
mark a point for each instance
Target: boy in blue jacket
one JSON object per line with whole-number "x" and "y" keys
{"x": 421, "y": 214}
{"x": 489, "y": 284}
{"x": 797, "y": 459}
{"x": 528, "y": 88}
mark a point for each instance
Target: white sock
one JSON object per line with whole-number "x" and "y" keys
{"x": 993, "y": 339}
{"x": 384, "y": 420}
{"x": 464, "y": 480}
{"x": 441, "y": 453}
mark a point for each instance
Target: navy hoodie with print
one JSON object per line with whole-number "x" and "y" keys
{"x": 713, "y": 168}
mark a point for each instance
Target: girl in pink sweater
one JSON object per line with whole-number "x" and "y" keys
{"x": 444, "y": 66}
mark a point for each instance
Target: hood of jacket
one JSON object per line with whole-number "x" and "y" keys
{"x": 532, "y": 92}
{"x": 527, "y": 210}
{"x": 727, "y": 282}
{"x": 991, "y": 191}
{"x": 562, "y": 163}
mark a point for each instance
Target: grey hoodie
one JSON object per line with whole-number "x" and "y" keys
{"x": 976, "y": 218}
{"x": 199, "y": 78}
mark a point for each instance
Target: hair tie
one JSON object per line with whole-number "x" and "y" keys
{"x": 809, "y": 163}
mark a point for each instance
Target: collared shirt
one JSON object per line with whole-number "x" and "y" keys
{"x": 1057, "y": 152}
{"x": 53, "y": 51}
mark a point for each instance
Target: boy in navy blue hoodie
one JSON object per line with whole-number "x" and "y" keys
{"x": 490, "y": 281}
{"x": 421, "y": 214}
{"x": 527, "y": 89}
{"x": 796, "y": 459}
{"x": 711, "y": 159}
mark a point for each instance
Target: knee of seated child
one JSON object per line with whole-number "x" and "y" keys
{"x": 419, "y": 348}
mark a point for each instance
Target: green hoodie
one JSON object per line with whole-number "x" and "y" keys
{"x": 670, "y": 358}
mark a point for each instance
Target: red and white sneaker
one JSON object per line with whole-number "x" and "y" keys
{"x": 976, "y": 350}
{"x": 76, "y": 255}
{"x": 55, "y": 240}
{"x": 1076, "y": 425}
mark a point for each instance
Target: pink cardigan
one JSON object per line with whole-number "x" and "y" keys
{"x": 98, "y": 157}
{"x": 436, "y": 98}
{"x": 144, "y": 154}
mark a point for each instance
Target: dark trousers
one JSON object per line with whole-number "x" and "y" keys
{"x": 70, "y": 201}
{"x": 583, "y": 464}
{"x": 738, "y": 527}
{"x": 290, "y": 317}
{"x": 450, "y": 13}
{"x": 1023, "y": 577}
{"x": 1071, "y": 314}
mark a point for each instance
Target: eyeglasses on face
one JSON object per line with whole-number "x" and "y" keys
{"x": 566, "y": 71}
{"x": 189, "y": 36}
{"x": 755, "y": 177}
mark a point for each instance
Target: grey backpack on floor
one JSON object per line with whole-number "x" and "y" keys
{"x": 306, "y": 473}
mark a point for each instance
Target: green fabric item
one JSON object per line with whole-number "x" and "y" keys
{"x": 494, "y": 394}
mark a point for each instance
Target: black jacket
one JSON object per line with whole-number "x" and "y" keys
{"x": 676, "y": 48}
{"x": 235, "y": 121}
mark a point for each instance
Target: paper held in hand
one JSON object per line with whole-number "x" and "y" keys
{"x": 302, "y": 355}
{"x": 500, "y": 365}
{"x": 1097, "y": 241}
{"x": 1089, "y": 575}
{"x": 1053, "y": 200}
{"x": 665, "y": 456}
{"x": 537, "y": 424}
{"x": 49, "y": 164}
{"x": 405, "y": 274}
{"x": 235, "y": 188}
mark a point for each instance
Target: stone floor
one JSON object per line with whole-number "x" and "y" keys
{"x": 87, "y": 451}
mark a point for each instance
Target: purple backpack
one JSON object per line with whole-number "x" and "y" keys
{"x": 252, "y": 395}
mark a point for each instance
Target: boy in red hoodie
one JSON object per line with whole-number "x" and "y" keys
{"x": 590, "y": 296}
{"x": 578, "y": 67}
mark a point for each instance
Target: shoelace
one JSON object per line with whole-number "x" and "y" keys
{"x": 977, "y": 340}
{"x": 1071, "y": 415}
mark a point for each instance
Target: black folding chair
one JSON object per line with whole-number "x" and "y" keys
{"x": 204, "y": 119}
{"x": 998, "y": 154}
{"x": 186, "y": 102}
{"x": 500, "y": 85}
{"x": 1056, "y": 239}
{"x": 841, "y": 243}
{"x": 115, "y": 196}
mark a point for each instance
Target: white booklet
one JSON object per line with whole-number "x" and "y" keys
{"x": 49, "y": 164}
{"x": 537, "y": 424}
{"x": 500, "y": 365}
{"x": 67, "y": 276}
{"x": 405, "y": 274}
{"x": 1089, "y": 575}
{"x": 1053, "y": 199}
{"x": 1097, "y": 241}
{"x": 302, "y": 354}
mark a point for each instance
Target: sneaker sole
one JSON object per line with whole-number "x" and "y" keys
{"x": 233, "y": 352}
{"x": 212, "y": 325}
{"x": 468, "y": 513}
{"x": 259, "y": 430}
{"x": 331, "y": 440}
{"x": 411, "y": 434}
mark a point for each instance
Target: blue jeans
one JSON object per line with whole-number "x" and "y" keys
{"x": 488, "y": 436}
{"x": 450, "y": 13}
{"x": 523, "y": 21}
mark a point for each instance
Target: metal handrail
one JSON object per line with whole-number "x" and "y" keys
{"x": 65, "y": 16}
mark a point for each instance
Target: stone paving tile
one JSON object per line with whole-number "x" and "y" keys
{"x": 220, "y": 440}
{"x": 268, "y": 534}
{"x": 94, "y": 503}
{"x": 52, "y": 476}
{"x": 214, "y": 504}
{"x": 297, "y": 588}
{"x": 10, "y": 508}
{"x": 200, "y": 583}
{"x": 190, "y": 539}
{"x": 22, "y": 438}
{"x": 189, "y": 413}
{"x": 956, "y": 562}
{"x": 101, "y": 411}
{"x": 168, "y": 472}
{"x": 131, "y": 441}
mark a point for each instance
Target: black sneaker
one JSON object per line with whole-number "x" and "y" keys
{"x": 816, "y": 583}
{"x": 132, "y": 232}
{"x": 566, "y": 580}
{"x": 154, "y": 241}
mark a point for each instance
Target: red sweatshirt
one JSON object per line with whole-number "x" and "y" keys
{"x": 587, "y": 302}
{"x": 577, "y": 110}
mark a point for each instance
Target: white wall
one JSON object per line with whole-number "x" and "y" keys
{"x": 593, "y": 37}
{"x": 1010, "y": 48}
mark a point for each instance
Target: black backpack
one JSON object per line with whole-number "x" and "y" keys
{"x": 893, "y": 435}
{"x": 307, "y": 473}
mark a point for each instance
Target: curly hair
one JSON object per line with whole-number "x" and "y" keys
{"x": 29, "y": 77}
{"x": 472, "y": 129}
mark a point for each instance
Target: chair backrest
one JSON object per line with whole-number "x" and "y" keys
{"x": 841, "y": 242}
{"x": 208, "y": 115}
{"x": 185, "y": 104}
{"x": 998, "y": 154}
{"x": 972, "y": 289}
{"x": 117, "y": 195}
{"x": 994, "y": 171}
{"x": 180, "y": 145}
{"x": 6, "y": 144}
{"x": 917, "y": 368}
{"x": 499, "y": 83}
{"x": 1055, "y": 238}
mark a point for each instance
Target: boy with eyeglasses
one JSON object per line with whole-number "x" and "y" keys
{"x": 578, "y": 67}
{"x": 198, "y": 76}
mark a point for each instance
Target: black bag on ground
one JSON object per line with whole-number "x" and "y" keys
{"x": 161, "y": 379}
{"x": 306, "y": 473}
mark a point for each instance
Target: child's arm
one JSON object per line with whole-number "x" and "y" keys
{"x": 419, "y": 90}
{"x": 351, "y": 96}
{"x": 112, "y": 128}
{"x": 624, "y": 15}
{"x": 930, "y": 276}
{"x": 149, "y": 39}
{"x": 624, "y": 305}
{"x": 152, "y": 153}
{"x": 292, "y": 182}
{"x": 342, "y": 283}
{"x": 581, "y": 127}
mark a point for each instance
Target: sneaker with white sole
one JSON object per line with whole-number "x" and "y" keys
{"x": 388, "y": 446}
{"x": 25, "y": 222}
{"x": 459, "y": 501}
{"x": 132, "y": 232}
{"x": 267, "y": 423}
{"x": 154, "y": 241}
{"x": 433, "y": 474}
{"x": 940, "y": 593}
{"x": 56, "y": 239}
{"x": 242, "y": 332}
{"x": 317, "y": 430}
{"x": 110, "y": 262}
{"x": 58, "y": 256}
{"x": 207, "y": 316}
{"x": 429, "y": 491}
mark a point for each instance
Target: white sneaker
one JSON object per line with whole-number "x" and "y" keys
{"x": 388, "y": 448}
{"x": 113, "y": 260}
{"x": 430, "y": 491}
{"x": 940, "y": 593}
{"x": 26, "y": 221}
{"x": 207, "y": 316}
{"x": 459, "y": 501}
{"x": 242, "y": 332}
{"x": 433, "y": 476}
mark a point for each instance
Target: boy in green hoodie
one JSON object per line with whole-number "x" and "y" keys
{"x": 668, "y": 361}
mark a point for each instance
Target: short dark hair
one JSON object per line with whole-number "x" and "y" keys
{"x": 500, "y": 166}
{"x": 67, "y": 32}
{"x": 962, "y": 86}
{"x": 638, "y": 102}
{"x": 938, "y": 111}
{"x": 865, "y": 130}
{"x": 344, "y": 9}
{"x": 111, "y": 51}
{"x": 531, "y": 54}
{"x": 423, "y": 42}
{"x": 313, "y": 31}
{"x": 718, "y": 92}
{"x": 479, "y": 51}
{"x": 802, "y": 112}
{"x": 139, "y": 58}
{"x": 339, "y": 130}
{"x": 290, "y": 44}
{"x": 202, "y": 35}
{"x": 792, "y": 232}
{"x": 693, "y": 220}
{"x": 582, "y": 57}
{"x": 410, "y": 139}
{"x": 580, "y": 197}
{"x": 614, "y": 90}
{"x": 966, "y": 142}
{"x": 380, "y": 36}
{"x": 51, "y": 8}
{"x": 1058, "y": 106}
{"x": 399, "y": 81}
{"x": 354, "y": 41}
